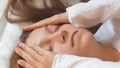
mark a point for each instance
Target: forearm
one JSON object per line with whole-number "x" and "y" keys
{"x": 93, "y": 12}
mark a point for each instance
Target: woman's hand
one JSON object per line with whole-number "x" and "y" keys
{"x": 34, "y": 56}
{"x": 56, "y": 19}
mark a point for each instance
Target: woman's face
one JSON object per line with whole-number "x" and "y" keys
{"x": 65, "y": 39}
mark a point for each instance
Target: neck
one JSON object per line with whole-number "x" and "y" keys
{"x": 105, "y": 53}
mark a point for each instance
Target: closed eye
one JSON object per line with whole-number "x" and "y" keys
{"x": 46, "y": 45}
{"x": 55, "y": 29}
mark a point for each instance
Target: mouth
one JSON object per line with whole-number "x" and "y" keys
{"x": 73, "y": 38}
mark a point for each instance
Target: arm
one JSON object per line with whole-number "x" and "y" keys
{"x": 93, "y": 12}
{"x": 70, "y": 61}
{"x": 56, "y": 19}
{"x": 84, "y": 14}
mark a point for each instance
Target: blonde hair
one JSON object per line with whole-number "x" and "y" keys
{"x": 26, "y": 11}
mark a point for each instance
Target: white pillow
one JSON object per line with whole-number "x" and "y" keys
{"x": 8, "y": 41}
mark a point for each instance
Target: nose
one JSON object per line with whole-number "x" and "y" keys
{"x": 60, "y": 36}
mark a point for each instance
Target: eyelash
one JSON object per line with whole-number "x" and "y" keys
{"x": 51, "y": 49}
{"x": 49, "y": 44}
{"x": 55, "y": 30}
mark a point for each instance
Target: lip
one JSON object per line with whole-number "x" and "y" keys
{"x": 73, "y": 38}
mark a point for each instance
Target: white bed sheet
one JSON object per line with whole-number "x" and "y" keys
{"x": 10, "y": 33}
{"x": 9, "y": 40}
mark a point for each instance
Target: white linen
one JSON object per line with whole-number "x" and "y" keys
{"x": 94, "y": 12}
{"x": 71, "y": 61}
{"x": 2, "y": 7}
{"x": 9, "y": 37}
{"x": 8, "y": 42}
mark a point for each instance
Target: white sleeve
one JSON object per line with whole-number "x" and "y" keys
{"x": 70, "y": 61}
{"x": 93, "y": 12}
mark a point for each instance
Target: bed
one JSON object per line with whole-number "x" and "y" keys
{"x": 10, "y": 33}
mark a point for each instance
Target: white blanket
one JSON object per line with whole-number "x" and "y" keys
{"x": 8, "y": 41}
{"x": 10, "y": 33}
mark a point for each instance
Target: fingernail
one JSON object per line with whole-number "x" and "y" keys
{"x": 20, "y": 44}
{"x": 25, "y": 28}
{"x": 17, "y": 50}
{"x": 19, "y": 61}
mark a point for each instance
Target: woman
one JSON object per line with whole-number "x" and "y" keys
{"x": 60, "y": 40}
{"x": 81, "y": 18}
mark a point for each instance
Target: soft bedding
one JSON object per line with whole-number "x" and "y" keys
{"x": 9, "y": 40}
{"x": 10, "y": 33}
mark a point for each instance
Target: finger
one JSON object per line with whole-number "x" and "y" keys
{"x": 39, "y": 50}
{"x": 56, "y": 19}
{"x": 31, "y": 52}
{"x": 24, "y": 55}
{"x": 41, "y": 23}
{"x": 48, "y": 56}
{"x": 24, "y": 64}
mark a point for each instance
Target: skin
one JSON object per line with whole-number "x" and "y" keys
{"x": 28, "y": 50}
{"x": 58, "y": 41}
{"x": 61, "y": 18}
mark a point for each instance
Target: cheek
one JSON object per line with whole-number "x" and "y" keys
{"x": 87, "y": 40}
{"x": 62, "y": 49}
{"x": 85, "y": 43}
{"x": 46, "y": 47}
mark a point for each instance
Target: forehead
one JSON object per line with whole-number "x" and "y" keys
{"x": 36, "y": 36}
